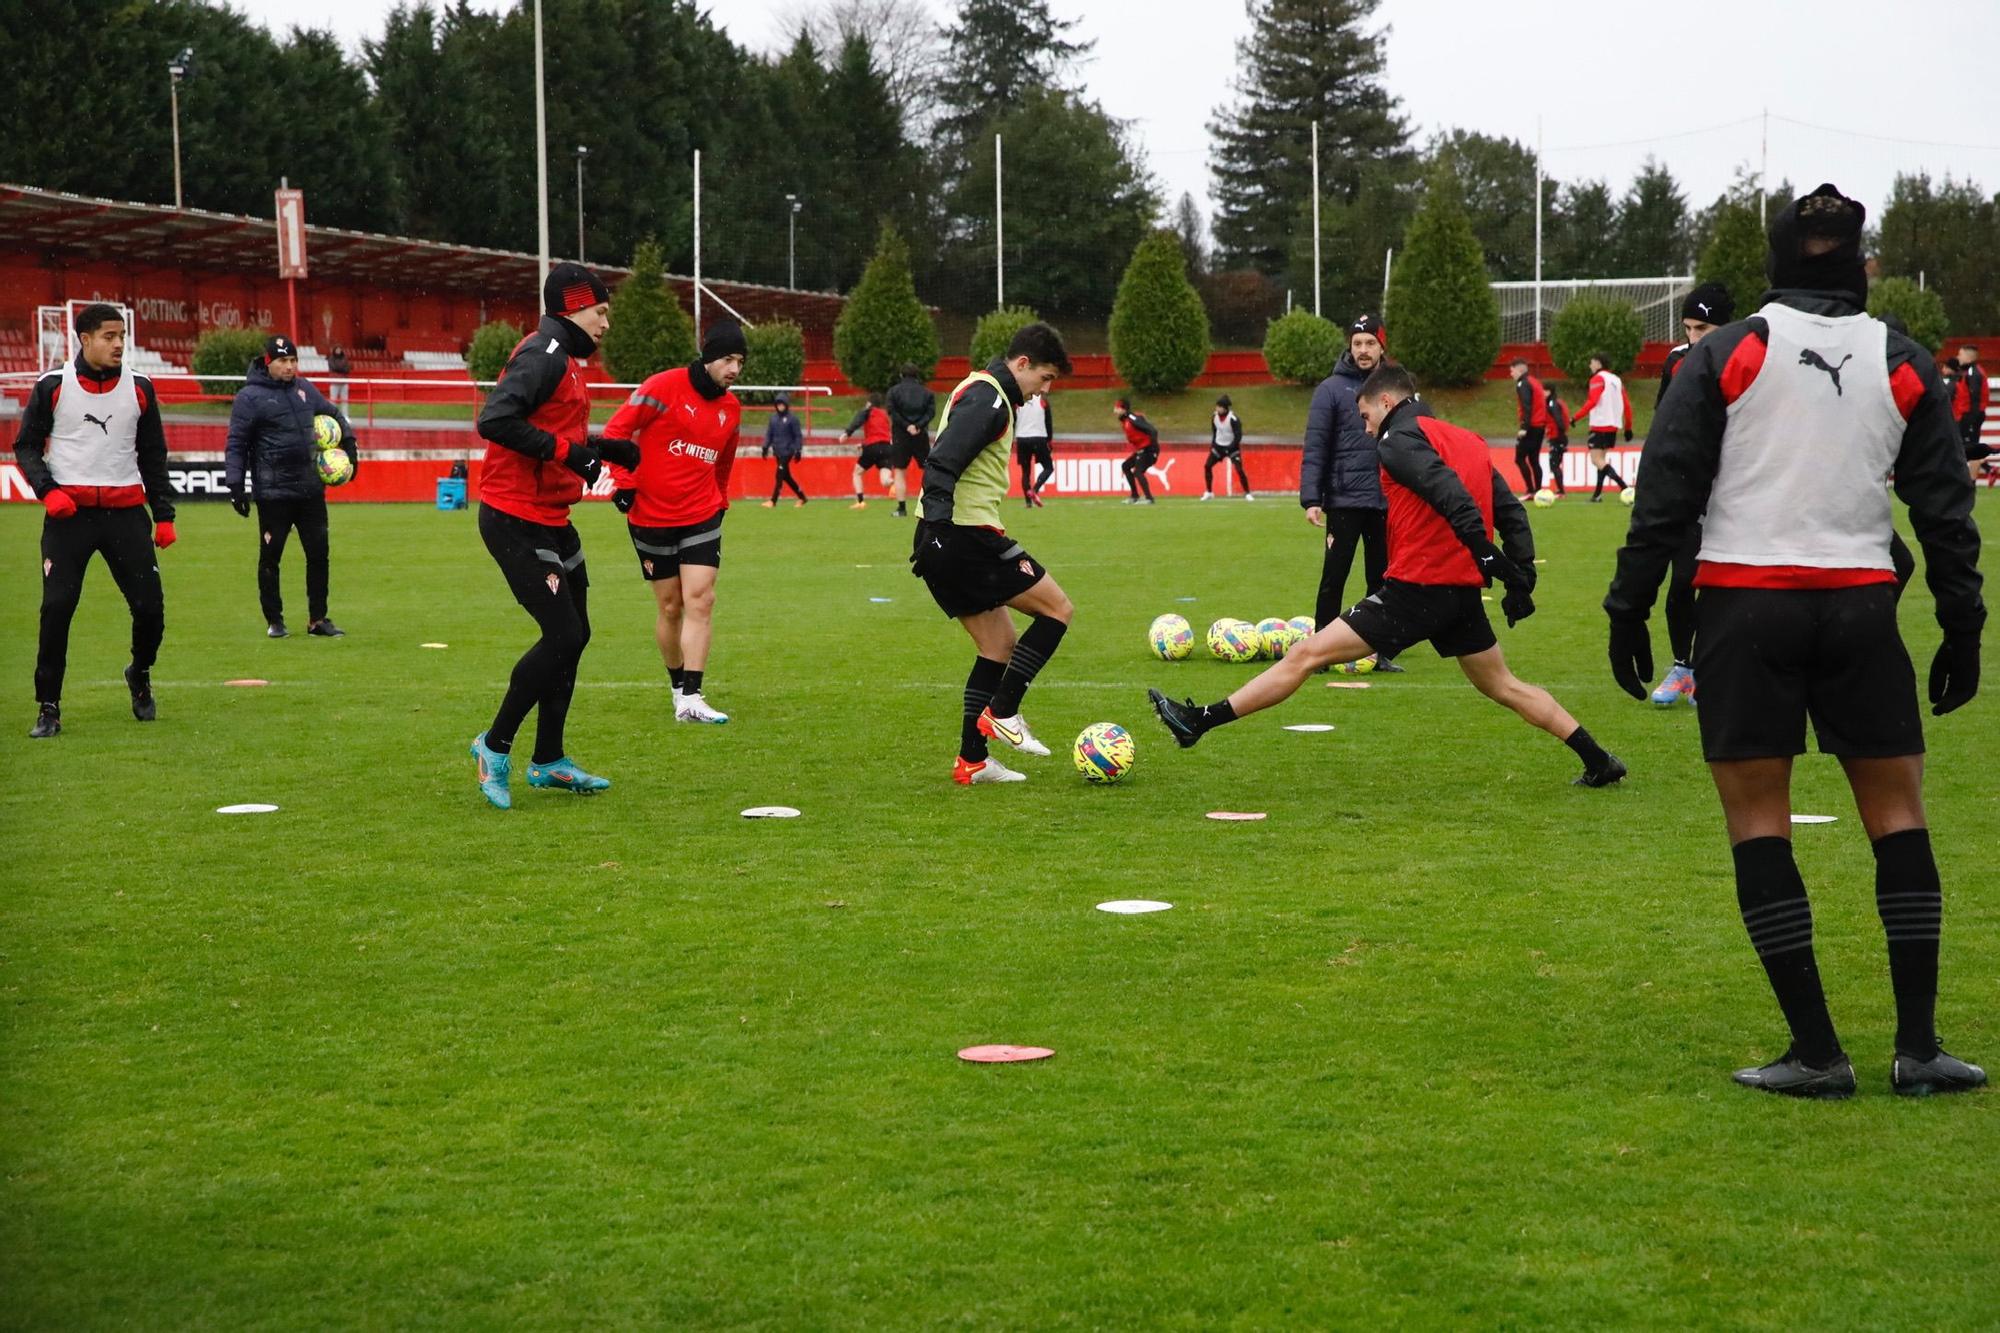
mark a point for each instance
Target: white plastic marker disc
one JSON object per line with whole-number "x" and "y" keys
{"x": 1347, "y": 685}
{"x": 254, "y": 808}
{"x": 1815, "y": 819}
{"x": 1133, "y": 906}
{"x": 1184, "y": 599}
{"x": 864, "y": 566}
{"x": 1310, "y": 726}
{"x": 770, "y": 812}
{"x": 1235, "y": 814}
{"x": 433, "y": 645}
{"x": 881, "y": 599}
{"x": 250, "y": 681}
{"x": 1003, "y": 1055}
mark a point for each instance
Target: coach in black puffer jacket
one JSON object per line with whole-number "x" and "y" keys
{"x": 271, "y": 436}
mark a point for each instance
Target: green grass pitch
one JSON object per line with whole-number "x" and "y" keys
{"x": 1444, "y": 1041}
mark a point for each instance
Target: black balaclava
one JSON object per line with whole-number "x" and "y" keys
{"x": 1825, "y": 215}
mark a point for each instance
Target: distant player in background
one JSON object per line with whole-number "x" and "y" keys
{"x": 539, "y": 459}
{"x": 1446, "y": 500}
{"x": 684, "y": 423}
{"x": 338, "y": 368}
{"x": 1145, "y": 441}
{"x": 1604, "y": 408}
{"x": 1558, "y": 441}
{"x": 92, "y": 449}
{"x": 912, "y": 408}
{"x": 1531, "y": 424}
{"x": 783, "y": 442}
{"x": 1225, "y": 441}
{"x": 271, "y": 441}
{"x": 1340, "y": 476}
{"x": 1971, "y": 414}
{"x": 878, "y": 451}
{"x": 1034, "y": 446}
{"x": 975, "y": 572}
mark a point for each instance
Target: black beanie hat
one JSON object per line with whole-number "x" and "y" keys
{"x": 1367, "y": 324}
{"x": 277, "y": 347}
{"x": 570, "y": 288}
{"x": 1710, "y": 303}
{"x": 723, "y": 339}
{"x": 1825, "y": 215}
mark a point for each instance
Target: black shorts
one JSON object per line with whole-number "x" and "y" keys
{"x": 1452, "y": 620}
{"x": 971, "y": 570}
{"x": 1602, "y": 439}
{"x": 1032, "y": 450}
{"x": 877, "y": 455}
{"x": 1768, "y": 659}
{"x": 1218, "y": 452}
{"x": 662, "y": 551}
{"x": 910, "y": 449}
{"x": 536, "y": 558}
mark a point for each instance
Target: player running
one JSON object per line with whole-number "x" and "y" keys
{"x": 539, "y": 458}
{"x": 1144, "y": 438}
{"x": 92, "y": 449}
{"x": 1445, "y": 500}
{"x": 1034, "y": 435}
{"x": 1603, "y": 408}
{"x": 683, "y": 423}
{"x": 1225, "y": 441}
{"x": 1796, "y": 613}
{"x": 878, "y": 452}
{"x": 974, "y": 570}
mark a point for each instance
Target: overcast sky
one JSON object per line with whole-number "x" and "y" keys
{"x": 1857, "y": 90}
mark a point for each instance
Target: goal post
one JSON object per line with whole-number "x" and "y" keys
{"x": 1658, "y": 301}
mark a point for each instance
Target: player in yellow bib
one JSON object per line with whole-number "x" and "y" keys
{"x": 974, "y": 570}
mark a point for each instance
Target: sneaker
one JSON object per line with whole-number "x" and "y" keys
{"x": 1601, "y": 777}
{"x": 859, "y": 504}
{"x": 1678, "y": 685}
{"x": 493, "y": 771}
{"x": 141, "y": 685}
{"x": 325, "y": 629}
{"x": 48, "y": 722}
{"x": 799, "y": 503}
{"x": 1789, "y": 1076}
{"x": 1249, "y": 495}
{"x": 1178, "y": 717}
{"x": 564, "y": 773}
{"x": 1386, "y": 666}
{"x": 989, "y": 769}
{"x": 276, "y": 630}
{"x": 1208, "y": 495}
{"x": 1037, "y": 500}
{"x": 1943, "y": 1072}
{"x": 694, "y": 708}
{"x": 1149, "y": 500}
{"x": 770, "y": 504}
{"x": 1130, "y": 500}
{"x": 1013, "y": 730}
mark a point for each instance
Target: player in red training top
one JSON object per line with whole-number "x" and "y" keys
{"x": 684, "y": 422}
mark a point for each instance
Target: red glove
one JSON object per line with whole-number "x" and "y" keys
{"x": 164, "y": 535}
{"x": 59, "y": 504}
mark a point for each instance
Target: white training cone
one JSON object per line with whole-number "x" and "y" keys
{"x": 1133, "y": 906}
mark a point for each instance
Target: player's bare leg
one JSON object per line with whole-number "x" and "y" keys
{"x": 1490, "y": 675}
{"x": 697, "y": 623}
{"x": 1050, "y": 610}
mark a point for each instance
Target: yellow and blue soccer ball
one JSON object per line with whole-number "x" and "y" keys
{"x": 1234, "y": 640}
{"x": 326, "y": 431}
{"x": 1545, "y": 498}
{"x": 335, "y": 467}
{"x": 1305, "y": 626}
{"x": 1273, "y": 636}
{"x": 1171, "y": 637}
{"x": 1104, "y": 752}
{"x": 1363, "y": 667}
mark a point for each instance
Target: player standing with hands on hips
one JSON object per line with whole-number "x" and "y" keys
{"x": 92, "y": 449}
{"x": 539, "y": 458}
{"x": 1777, "y": 436}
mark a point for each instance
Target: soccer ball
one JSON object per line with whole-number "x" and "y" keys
{"x": 1171, "y": 637}
{"x": 1359, "y": 668}
{"x": 335, "y": 467}
{"x": 1545, "y": 498}
{"x": 1273, "y": 636}
{"x": 1234, "y": 640}
{"x": 1104, "y": 752}
{"x": 1630, "y": 495}
{"x": 326, "y": 431}
{"x": 1305, "y": 626}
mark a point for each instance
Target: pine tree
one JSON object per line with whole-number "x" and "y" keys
{"x": 1442, "y": 318}
{"x": 1652, "y": 225}
{"x": 649, "y": 330}
{"x": 883, "y": 323}
{"x": 1192, "y": 234}
{"x": 996, "y": 53}
{"x": 1304, "y": 61}
{"x": 1583, "y": 233}
{"x": 1734, "y": 255}
{"x": 1159, "y": 329}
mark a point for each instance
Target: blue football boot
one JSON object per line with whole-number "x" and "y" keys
{"x": 566, "y": 776}
{"x": 493, "y": 770}
{"x": 1678, "y": 685}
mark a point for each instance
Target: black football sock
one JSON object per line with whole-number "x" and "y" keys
{"x": 1214, "y": 715}
{"x": 1588, "y": 750}
{"x": 979, "y": 686}
{"x": 859, "y": 498}
{"x": 678, "y": 677}
{"x": 1772, "y": 898}
{"x": 1598, "y": 490}
{"x": 1032, "y": 651}
{"x": 1912, "y": 909}
{"x": 1612, "y": 473}
{"x": 690, "y": 682}
{"x": 499, "y": 744}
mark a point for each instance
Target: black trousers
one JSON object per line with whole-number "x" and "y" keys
{"x": 545, "y": 572}
{"x": 784, "y": 478}
{"x": 1216, "y": 455}
{"x": 275, "y": 521}
{"x": 1134, "y": 467}
{"x": 124, "y": 537}
{"x": 1528, "y": 458}
{"x": 1345, "y": 530}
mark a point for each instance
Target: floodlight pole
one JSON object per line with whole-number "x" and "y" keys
{"x": 1763, "y": 164}
{"x": 177, "y": 69}
{"x": 697, "y": 244}
{"x": 1315, "y": 149}
{"x": 792, "y": 242}
{"x": 1538, "y": 228}
{"x": 999, "y": 236}
{"x": 581, "y": 153}
{"x": 541, "y": 152}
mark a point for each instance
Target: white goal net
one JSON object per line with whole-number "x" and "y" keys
{"x": 1658, "y": 301}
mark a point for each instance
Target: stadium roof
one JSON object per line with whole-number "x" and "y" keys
{"x": 155, "y": 234}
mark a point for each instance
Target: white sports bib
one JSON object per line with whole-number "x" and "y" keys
{"x": 94, "y": 440}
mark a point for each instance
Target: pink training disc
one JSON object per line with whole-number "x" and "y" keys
{"x": 1236, "y": 814}
{"x": 1347, "y": 685}
{"x": 251, "y": 681}
{"x": 1003, "y": 1055}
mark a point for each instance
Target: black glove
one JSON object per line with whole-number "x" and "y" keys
{"x": 1954, "y": 673}
{"x": 624, "y": 453}
{"x": 1518, "y": 605}
{"x": 240, "y": 503}
{"x": 1628, "y": 435}
{"x": 623, "y": 500}
{"x": 1494, "y": 564}
{"x": 583, "y": 460}
{"x": 1631, "y": 655}
{"x": 930, "y": 544}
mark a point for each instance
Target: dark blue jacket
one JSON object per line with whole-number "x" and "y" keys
{"x": 1340, "y": 468}
{"x": 782, "y": 437}
{"x": 271, "y": 436}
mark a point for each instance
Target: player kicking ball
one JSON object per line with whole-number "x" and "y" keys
{"x": 975, "y": 572}
{"x": 1445, "y": 500}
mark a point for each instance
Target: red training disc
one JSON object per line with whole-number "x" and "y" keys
{"x": 1004, "y": 1055}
